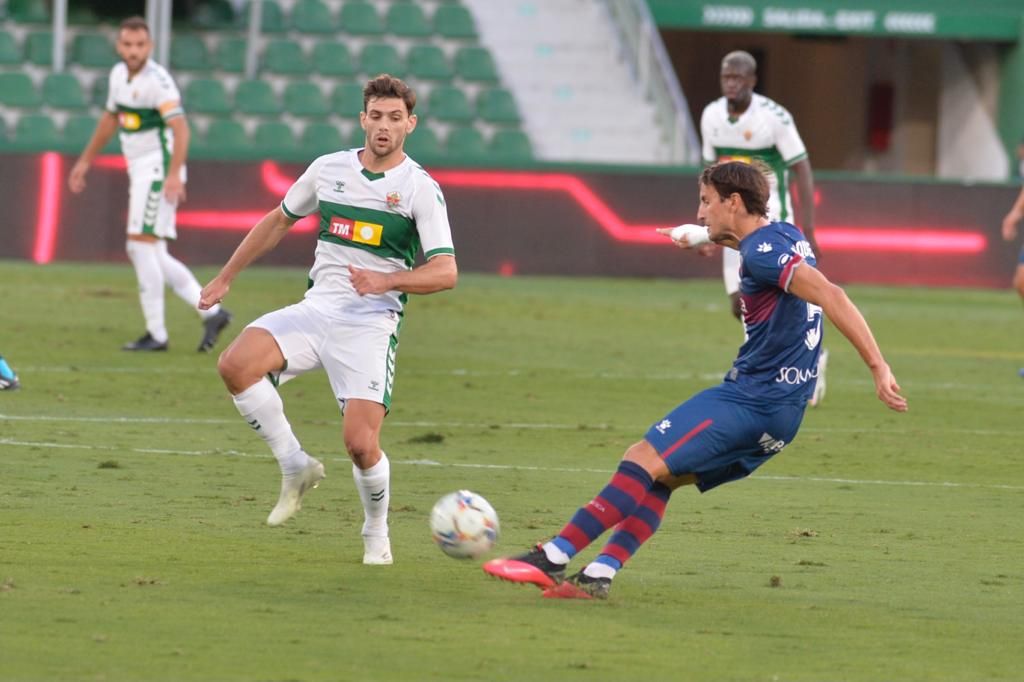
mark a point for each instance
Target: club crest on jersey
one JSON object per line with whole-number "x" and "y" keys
{"x": 356, "y": 230}
{"x": 393, "y": 199}
{"x": 747, "y": 135}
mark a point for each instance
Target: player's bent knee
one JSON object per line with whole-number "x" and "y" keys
{"x": 644, "y": 454}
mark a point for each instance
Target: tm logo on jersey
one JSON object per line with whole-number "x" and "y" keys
{"x": 356, "y": 230}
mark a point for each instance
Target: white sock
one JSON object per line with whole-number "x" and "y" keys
{"x": 145, "y": 259}
{"x": 599, "y": 570}
{"x": 374, "y": 486}
{"x": 260, "y": 405}
{"x": 182, "y": 281}
{"x": 554, "y": 554}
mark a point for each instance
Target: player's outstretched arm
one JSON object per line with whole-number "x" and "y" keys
{"x": 812, "y": 286}
{"x": 105, "y": 129}
{"x": 262, "y": 239}
{"x": 437, "y": 274}
{"x": 1013, "y": 217}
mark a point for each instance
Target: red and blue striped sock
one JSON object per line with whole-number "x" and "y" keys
{"x": 637, "y": 528}
{"x": 617, "y": 501}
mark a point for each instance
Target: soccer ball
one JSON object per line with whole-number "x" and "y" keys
{"x": 464, "y": 525}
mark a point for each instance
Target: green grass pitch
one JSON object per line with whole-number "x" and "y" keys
{"x": 877, "y": 546}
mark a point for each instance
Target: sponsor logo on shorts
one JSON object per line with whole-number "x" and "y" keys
{"x": 374, "y": 385}
{"x": 356, "y": 230}
{"x": 664, "y": 426}
{"x": 795, "y": 376}
{"x": 770, "y": 444}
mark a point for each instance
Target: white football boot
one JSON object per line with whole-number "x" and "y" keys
{"x": 377, "y": 551}
{"x": 292, "y": 489}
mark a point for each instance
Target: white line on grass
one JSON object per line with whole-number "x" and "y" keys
{"x": 606, "y": 376}
{"x": 480, "y": 425}
{"x": 505, "y": 467}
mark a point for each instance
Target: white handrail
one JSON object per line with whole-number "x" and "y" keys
{"x": 657, "y": 78}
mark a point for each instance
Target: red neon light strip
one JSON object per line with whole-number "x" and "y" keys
{"x": 48, "y": 207}
{"x": 900, "y": 240}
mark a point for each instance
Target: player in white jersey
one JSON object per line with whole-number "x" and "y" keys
{"x": 144, "y": 106}
{"x": 377, "y": 208}
{"x": 744, "y": 126}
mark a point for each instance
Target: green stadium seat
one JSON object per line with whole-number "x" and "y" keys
{"x": 285, "y": 57}
{"x": 378, "y": 58}
{"x": 333, "y": 59}
{"x": 99, "y": 92}
{"x": 39, "y": 48}
{"x": 474, "y": 63}
{"x": 305, "y": 99}
{"x": 357, "y": 138}
{"x": 448, "y": 103}
{"x": 347, "y": 99}
{"x": 81, "y": 15}
{"x": 214, "y": 15}
{"x": 18, "y": 90}
{"x": 29, "y": 11}
{"x": 256, "y": 97}
{"x": 360, "y": 18}
{"x": 3, "y": 134}
{"x": 271, "y": 18}
{"x": 454, "y": 21}
{"x": 510, "y": 145}
{"x": 78, "y": 131}
{"x": 63, "y": 91}
{"x": 9, "y": 52}
{"x": 312, "y": 16}
{"x": 423, "y": 144}
{"x": 429, "y": 63}
{"x": 465, "y": 143}
{"x": 231, "y": 55}
{"x": 407, "y": 19}
{"x": 207, "y": 96}
{"x": 225, "y": 136}
{"x": 496, "y": 105}
{"x": 93, "y": 50}
{"x": 37, "y": 132}
{"x": 189, "y": 53}
{"x": 274, "y": 138}
{"x": 320, "y": 138}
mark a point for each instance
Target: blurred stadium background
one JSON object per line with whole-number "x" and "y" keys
{"x": 561, "y": 130}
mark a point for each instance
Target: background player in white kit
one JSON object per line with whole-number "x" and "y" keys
{"x": 742, "y": 125}
{"x": 377, "y": 208}
{"x": 145, "y": 106}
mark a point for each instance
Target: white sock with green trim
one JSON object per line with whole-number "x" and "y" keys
{"x": 261, "y": 407}
{"x": 374, "y": 486}
{"x": 145, "y": 260}
{"x": 182, "y": 281}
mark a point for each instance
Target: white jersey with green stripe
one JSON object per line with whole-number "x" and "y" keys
{"x": 374, "y": 221}
{"x": 143, "y": 103}
{"x": 766, "y": 132}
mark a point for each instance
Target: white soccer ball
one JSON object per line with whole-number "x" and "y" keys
{"x": 464, "y": 524}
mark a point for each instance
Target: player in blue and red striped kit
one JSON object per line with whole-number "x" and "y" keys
{"x": 723, "y": 433}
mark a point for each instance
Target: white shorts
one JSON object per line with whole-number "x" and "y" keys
{"x": 731, "y": 262}
{"x": 149, "y": 212}
{"x": 358, "y": 353}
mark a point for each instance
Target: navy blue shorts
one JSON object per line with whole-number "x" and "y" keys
{"x": 723, "y": 434}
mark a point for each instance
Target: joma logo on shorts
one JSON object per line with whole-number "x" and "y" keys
{"x": 794, "y": 375}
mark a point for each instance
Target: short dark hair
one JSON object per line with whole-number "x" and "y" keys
{"x": 135, "y": 23}
{"x": 387, "y": 86}
{"x": 746, "y": 179}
